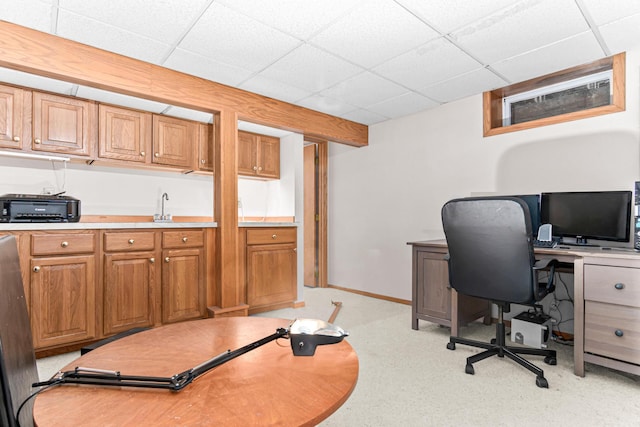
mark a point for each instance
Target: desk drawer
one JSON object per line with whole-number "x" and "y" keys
{"x": 63, "y": 243}
{"x": 267, "y": 236}
{"x": 129, "y": 241}
{"x": 612, "y": 331}
{"x": 614, "y": 285}
{"x": 182, "y": 239}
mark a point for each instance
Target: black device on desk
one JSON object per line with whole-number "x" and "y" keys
{"x": 601, "y": 215}
{"x": 39, "y": 208}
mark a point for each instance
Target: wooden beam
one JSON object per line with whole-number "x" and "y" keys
{"x": 32, "y": 51}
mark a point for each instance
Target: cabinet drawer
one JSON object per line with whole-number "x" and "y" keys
{"x": 612, "y": 331}
{"x": 182, "y": 239}
{"x": 54, "y": 244}
{"x": 614, "y": 285}
{"x": 129, "y": 241}
{"x": 271, "y": 235}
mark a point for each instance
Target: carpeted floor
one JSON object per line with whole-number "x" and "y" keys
{"x": 409, "y": 378}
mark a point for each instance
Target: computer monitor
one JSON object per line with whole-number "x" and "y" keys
{"x": 601, "y": 215}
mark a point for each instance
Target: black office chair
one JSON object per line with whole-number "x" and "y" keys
{"x": 17, "y": 359}
{"x": 491, "y": 257}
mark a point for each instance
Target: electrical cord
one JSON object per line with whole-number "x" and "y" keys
{"x": 34, "y": 394}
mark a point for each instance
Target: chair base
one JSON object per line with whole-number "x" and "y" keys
{"x": 500, "y": 349}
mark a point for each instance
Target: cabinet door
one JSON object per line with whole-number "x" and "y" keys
{"x": 124, "y": 134}
{"x": 11, "y": 117}
{"x": 183, "y": 291}
{"x": 269, "y": 157}
{"x": 62, "y": 300}
{"x": 129, "y": 285}
{"x": 206, "y": 140}
{"x": 247, "y": 153}
{"x": 433, "y": 294}
{"x": 174, "y": 141}
{"x": 63, "y": 125}
{"x": 271, "y": 274}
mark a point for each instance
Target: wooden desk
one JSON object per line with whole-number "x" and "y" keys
{"x": 267, "y": 386}
{"x": 606, "y": 315}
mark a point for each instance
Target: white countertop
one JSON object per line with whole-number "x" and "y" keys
{"x": 19, "y": 226}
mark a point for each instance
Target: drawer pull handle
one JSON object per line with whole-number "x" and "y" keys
{"x": 619, "y": 286}
{"x": 37, "y": 141}
{"x": 36, "y": 268}
{"x": 64, "y": 244}
{"x": 131, "y": 241}
{"x": 16, "y": 138}
{"x": 167, "y": 259}
{"x": 152, "y": 260}
{"x": 619, "y": 333}
{"x": 184, "y": 239}
{"x": 275, "y": 236}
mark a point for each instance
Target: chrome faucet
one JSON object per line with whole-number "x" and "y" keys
{"x": 162, "y": 217}
{"x": 165, "y": 196}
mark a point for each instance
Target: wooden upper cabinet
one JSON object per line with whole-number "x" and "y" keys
{"x": 12, "y": 116}
{"x": 258, "y": 155}
{"x": 174, "y": 141}
{"x": 124, "y": 134}
{"x": 206, "y": 140}
{"x": 64, "y": 125}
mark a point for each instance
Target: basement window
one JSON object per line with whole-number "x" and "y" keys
{"x": 576, "y": 93}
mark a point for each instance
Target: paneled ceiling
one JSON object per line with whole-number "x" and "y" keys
{"x": 363, "y": 60}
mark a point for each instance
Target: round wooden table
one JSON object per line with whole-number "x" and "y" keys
{"x": 266, "y": 386}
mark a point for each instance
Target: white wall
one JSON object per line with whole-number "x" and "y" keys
{"x": 110, "y": 191}
{"x": 272, "y": 198}
{"x": 390, "y": 192}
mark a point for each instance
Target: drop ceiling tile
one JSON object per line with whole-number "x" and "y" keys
{"x": 189, "y": 114}
{"x": 403, "y": 105}
{"x": 373, "y": 33}
{"x": 525, "y": 26}
{"x": 469, "y": 84}
{"x": 28, "y": 13}
{"x": 20, "y": 78}
{"x": 113, "y": 39}
{"x": 448, "y": 15}
{"x": 311, "y": 69}
{"x": 119, "y": 99}
{"x": 622, "y": 35}
{"x": 164, "y": 21}
{"x": 566, "y": 53}
{"x": 364, "y": 89}
{"x": 274, "y": 89}
{"x": 198, "y": 65}
{"x": 432, "y": 62}
{"x": 364, "y": 117}
{"x": 231, "y": 38}
{"x": 604, "y": 12}
{"x": 299, "y": 18}
{"x": 325, "y": 104}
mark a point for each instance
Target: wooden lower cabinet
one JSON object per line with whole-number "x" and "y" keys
{"x": 129, "y": 288}
{"x": 183, "y": 285}
{"x": 62, "y": 288}
{"x": 85, "y": 285}
{"x": 271, "y": 268}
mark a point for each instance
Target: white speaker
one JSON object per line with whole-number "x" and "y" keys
{"x": 544, "y": 233}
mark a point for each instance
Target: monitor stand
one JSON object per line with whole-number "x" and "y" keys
{"x": 580, "y": 241}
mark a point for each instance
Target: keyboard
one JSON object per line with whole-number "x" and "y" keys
{"x": 544, "y": 243}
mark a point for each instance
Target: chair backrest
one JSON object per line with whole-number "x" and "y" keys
{"x": 18, "y": 363}
{"x": 490, "y": 248}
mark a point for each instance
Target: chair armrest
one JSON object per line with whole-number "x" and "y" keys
{"x": 543, "y": 264}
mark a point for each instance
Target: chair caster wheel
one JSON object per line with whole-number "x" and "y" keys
{"x": 469, "y": 369}
{"x": 451, "y": 345}
{"x": 493, "y": 340}
{"x": 550, "y": 360}
{"x": 542, "y": 382}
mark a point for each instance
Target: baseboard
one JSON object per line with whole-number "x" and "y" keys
{"x": 371, "y": 295}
